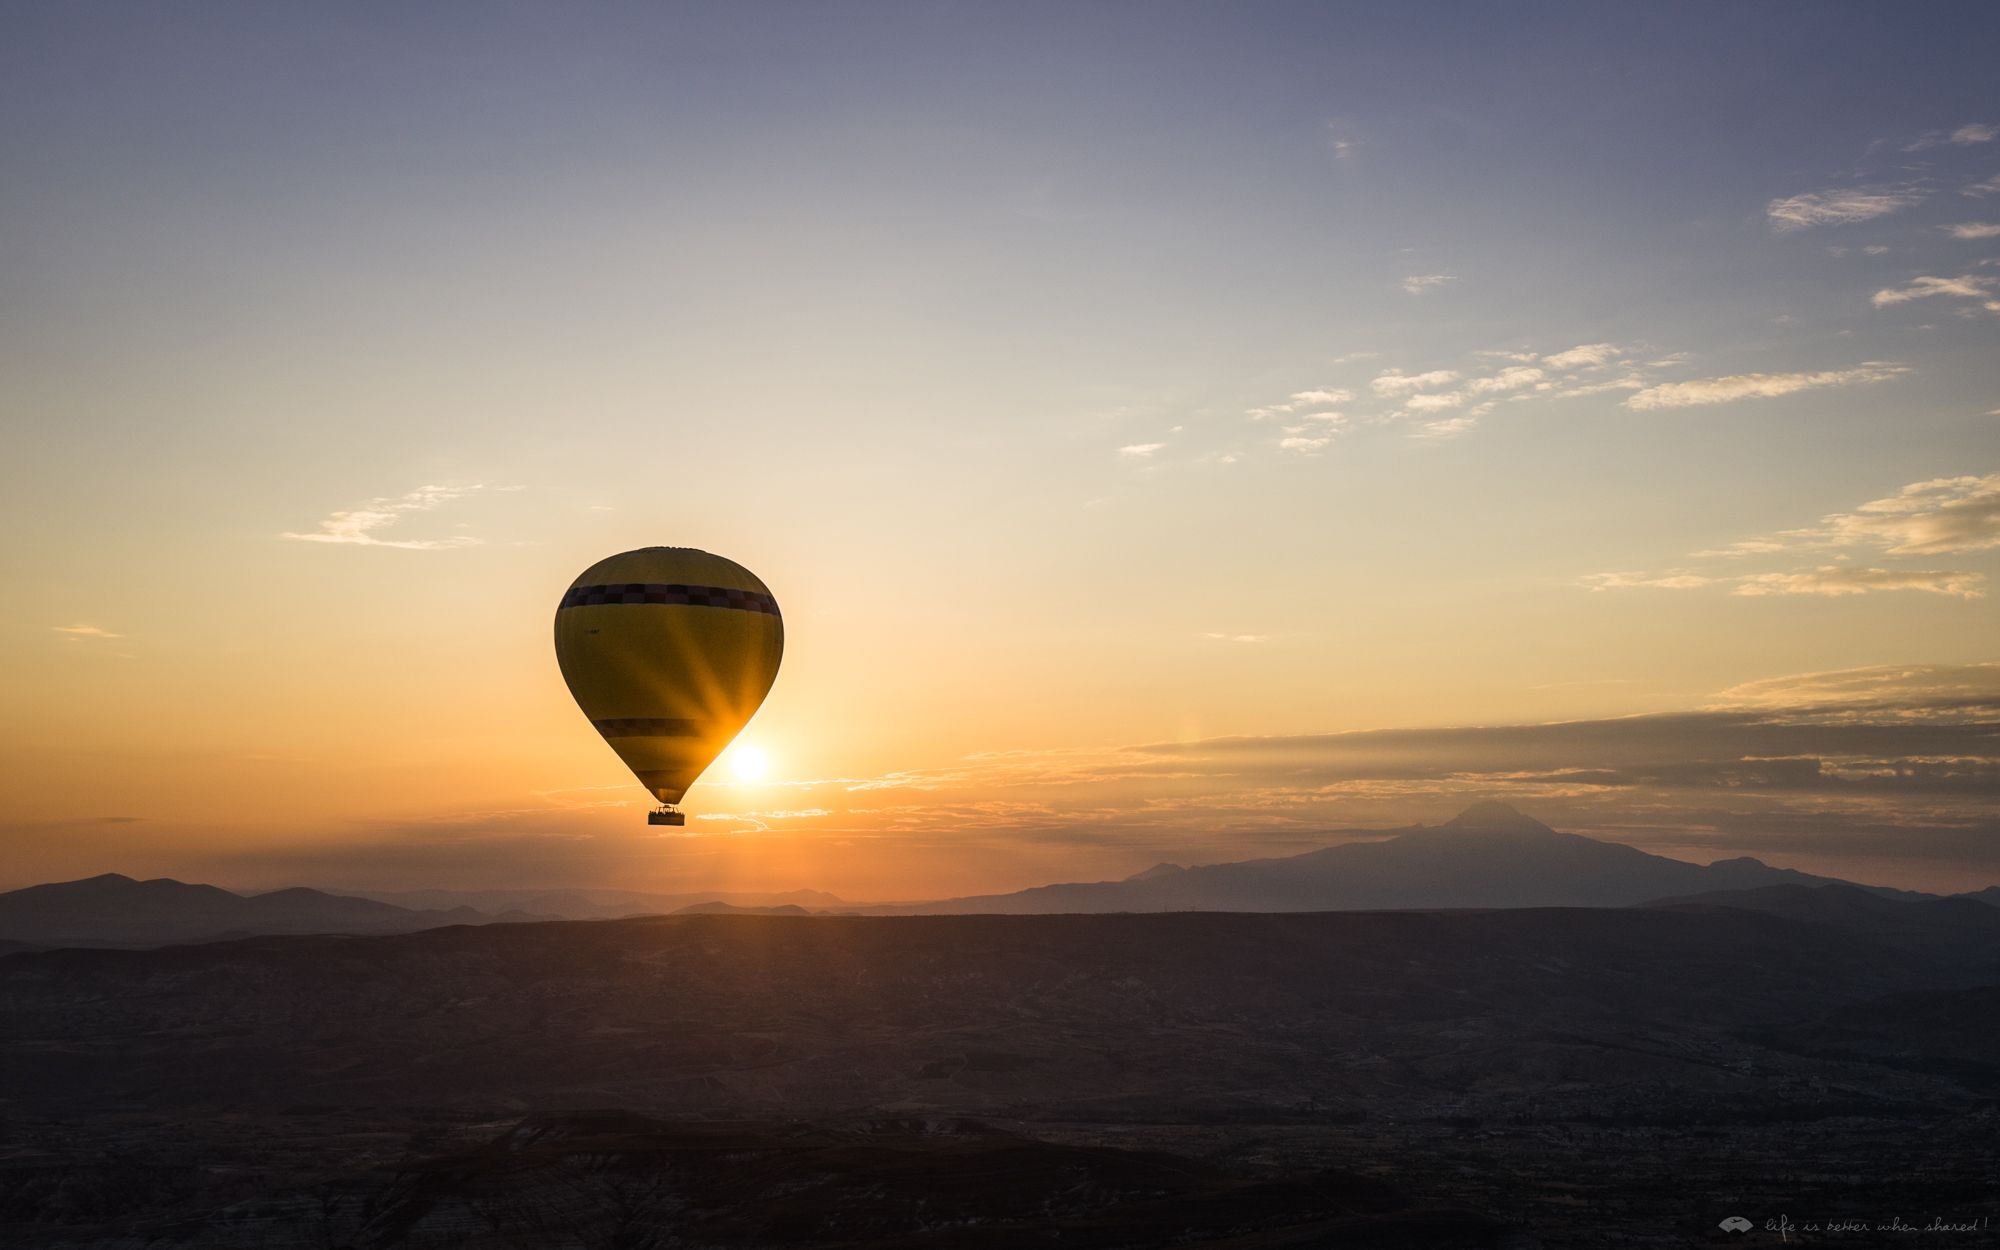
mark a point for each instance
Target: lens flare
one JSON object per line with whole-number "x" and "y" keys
{"x": 748, "y": 763}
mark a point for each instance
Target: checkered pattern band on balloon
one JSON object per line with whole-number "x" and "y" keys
{"x": 648, "y": 727}
{"x": 670, "y": 592}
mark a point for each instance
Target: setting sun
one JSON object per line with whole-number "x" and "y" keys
{"x": 748, "y": 763}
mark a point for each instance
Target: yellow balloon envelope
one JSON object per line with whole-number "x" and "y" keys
{"x": 668, "y": 651}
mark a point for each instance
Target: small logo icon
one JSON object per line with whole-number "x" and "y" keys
{"x": 1736, "y": 1224}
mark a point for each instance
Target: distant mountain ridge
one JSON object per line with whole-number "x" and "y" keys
{"x": 115, "y": 910}
{"x": 596, "y": 904}
{"x": 1490, "y": 855}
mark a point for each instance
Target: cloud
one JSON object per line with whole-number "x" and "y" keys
{"x": 1897, "y": 763}
{"x": 1300, "y": 400}
{"x": 1937, "y": 517}
{"x": 1837, "y": 208}
{"x": 1758, "y": 385}
{"x": 1942, "y": 516}
{"x": 1511, "y": 378}
{"x": 1434, "y": 403}
{"x": 1964, "y": 287}
{"x": 1140, "y": 451}
{"x": 1673, "y": 579}
{"x": 1341, "y": 138}
{"x": 357, "y": 527}
{"x": 1419, "y": 283}
{"x": 1839, "y": 579}
{"x": 78, "y": 632}
{"x": 1964, "y": 136}
{"x": 1974, "y": 230}
{"x": 1932, "y": 686}
{"x": 1450, "y": 427}
{"x": 1396, "y": 382}
{"x": 1305, "y": 444}
{"x": 1980, "y": 189}
{"x": 1246, "y": 638}
{"x": 1585, "y": 356}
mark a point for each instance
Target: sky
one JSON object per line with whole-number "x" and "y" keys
{"x": 1172, "y": 432}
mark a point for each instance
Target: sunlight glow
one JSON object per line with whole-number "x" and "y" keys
{"x": 748, "y": 763}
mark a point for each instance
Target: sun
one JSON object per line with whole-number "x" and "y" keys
{"x": 748, "y": 763}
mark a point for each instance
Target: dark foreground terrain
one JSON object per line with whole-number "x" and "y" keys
{"x": 1526, "y": 1078}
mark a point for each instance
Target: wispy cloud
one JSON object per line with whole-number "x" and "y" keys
{"x": 1964, "y": 136}
{"x": 1246, "y": 638}
{"x": 1974, "y": 230}
{"x": 1396, "y": 382}
{"x": 1511, "y": 378}
{"x": 1942, "y": 516}
{"x": 1305, "y": 444}
{"x": 1140, "y": 451}
{"x": 78, "y": 632}
{"x": 1584, "y": 356}
{"x": 1837, "y": 208}
{"x": 1758, "y": 385}
{"x": 1912, "y": 686}
{"x": 1341, "y": 137}
{"x": 1966, "y": 286}
{"x": 359, "y": 527}
{"x": 1323, "y": 395}
{"x": 1450, "y": 427}
{"x": 1417, "y": 284}
{"x": 1434, "y": 402}
{"x": 1990, "y": 186}
{"x": 1828, "y": 580}
{"x": 1937, "y": 517}
{"x": 1672, "y": 579}
{"x": 1835, "y": 580}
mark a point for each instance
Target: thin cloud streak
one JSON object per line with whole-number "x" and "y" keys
{"x": 1837, "y": 208}
{"x": 1759, "y": 386}
{"x": 1835, "y": 580}
{"x": 358, "y": 527}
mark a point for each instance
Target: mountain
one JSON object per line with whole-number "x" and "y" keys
{"x": 592, "y": 904}
{"x": 1845, "y": 907}
{"x": 1944, "y": 922}
{"x": 1489, "y": 855}
{"x": 115, "y": 910}
{"x": 731, "y": 909}
{"x": 1989, "y": 896}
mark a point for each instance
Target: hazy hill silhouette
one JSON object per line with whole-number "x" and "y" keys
{"x": 718, "y": 908}
{"x": 1489, "y": 855}
{"x": 115, "y": 910}
{"x": 596, "y": 904}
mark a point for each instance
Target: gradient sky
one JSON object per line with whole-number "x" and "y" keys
{"x": 1172, "y": 432}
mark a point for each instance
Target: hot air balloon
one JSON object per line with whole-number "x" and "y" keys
{"x": 669, "y": 651}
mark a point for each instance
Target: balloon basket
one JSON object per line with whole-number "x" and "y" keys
{"x": 665, "y": 816}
